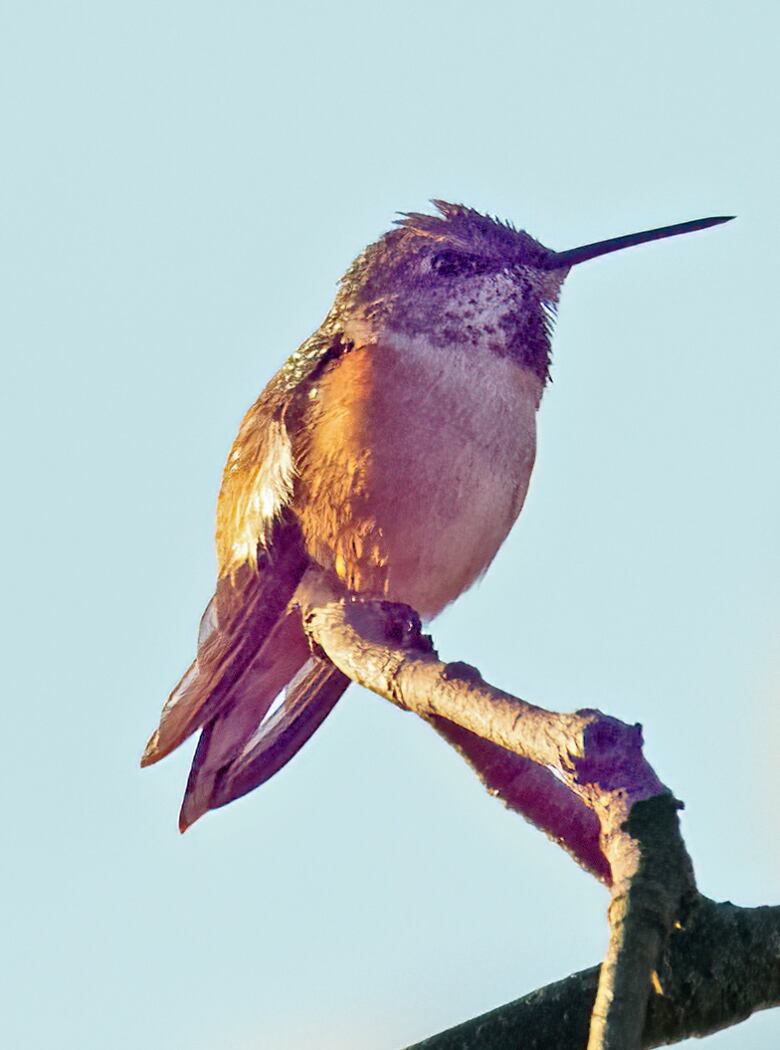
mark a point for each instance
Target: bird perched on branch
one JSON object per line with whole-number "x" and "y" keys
{"x": 392, "y": 450}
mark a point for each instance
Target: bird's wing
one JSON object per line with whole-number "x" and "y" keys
{"x": 250, "y": 643}
{"x": 259, "y": 477}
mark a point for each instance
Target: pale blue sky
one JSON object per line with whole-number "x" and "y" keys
{"x": 182, "y": 184}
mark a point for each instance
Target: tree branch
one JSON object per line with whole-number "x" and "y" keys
{"x": 717, "y": 971}
{"x": 598, "y": 758}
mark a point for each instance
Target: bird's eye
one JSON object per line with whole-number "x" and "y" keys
{"x": 450, "y": 263}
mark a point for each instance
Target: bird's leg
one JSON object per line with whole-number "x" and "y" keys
{"x": 399, "y": 624}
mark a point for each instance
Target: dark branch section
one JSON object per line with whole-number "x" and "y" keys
{"x": 717, "y": 971}
{"x": 653, "y": 888}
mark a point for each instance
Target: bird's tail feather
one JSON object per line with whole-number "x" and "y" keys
{"x": 310, "y": 698}
{"x": 227, "y": 733}
{"x": 238, "y": 621}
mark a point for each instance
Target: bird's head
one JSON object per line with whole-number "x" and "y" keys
{"x": 460, "y": 278}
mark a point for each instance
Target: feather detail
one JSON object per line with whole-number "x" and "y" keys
{"x": 234, "y": 628}
{"x": 232, "y": 729}
{"x": 310, "y": 698}
{"x": 260, "y": 472}
{"x": 253, "y": 496}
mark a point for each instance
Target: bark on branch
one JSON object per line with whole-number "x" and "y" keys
{"x": 721, "y": 968}
{"x": 617, "y": 817}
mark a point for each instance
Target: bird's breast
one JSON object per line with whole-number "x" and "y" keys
{"x": 413, "y": 462}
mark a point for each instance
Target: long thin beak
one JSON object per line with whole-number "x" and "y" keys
{"x": 559, "y": 260}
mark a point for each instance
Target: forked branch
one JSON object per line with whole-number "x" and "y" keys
{"x": 598, "y": 759}
{"x": 717, "y": 970}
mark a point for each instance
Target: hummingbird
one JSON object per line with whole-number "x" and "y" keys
{"x": 392, "y": 451}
